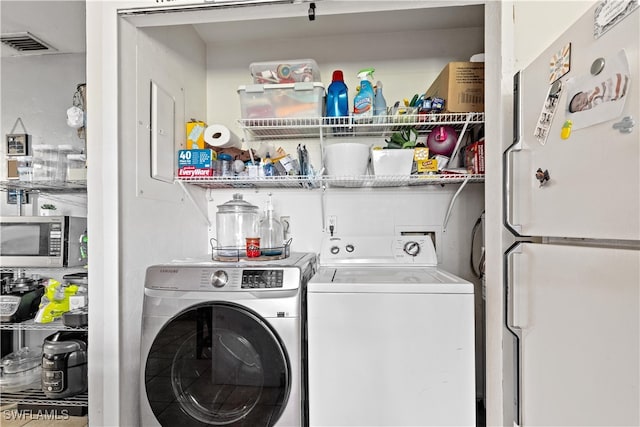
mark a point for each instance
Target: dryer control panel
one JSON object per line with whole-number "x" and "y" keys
{"x": 260, "y": 279}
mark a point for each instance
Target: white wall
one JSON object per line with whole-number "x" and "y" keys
{"x": 39, "y": 89}
{"x": 539, "y": 22}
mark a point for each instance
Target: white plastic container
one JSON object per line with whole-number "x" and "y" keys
{"x": 392, "y": 162}
{"x": 285, "y": 71}
{"x": 61, "y": 161}
{"x": 45, "y": 160}
{"x": 295, "y": 100}
{"x": 347, "y": 159}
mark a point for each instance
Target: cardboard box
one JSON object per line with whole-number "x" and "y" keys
{"x": 195, "y": 163}
{"x": 195, "y": 134}
{"x": 461, "y": 84}
{"x": 474, "y": 157}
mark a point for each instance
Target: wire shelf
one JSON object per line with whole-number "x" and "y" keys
{"x": 371, "y": 181}
{"x": 298, "y": 182}
{"x": 44, "y": 186}
{"x": 37, "y": 397}
{"x": 30, "y": 325}
{"x": 354, "y": 126}
{"x": 295, "y": 181}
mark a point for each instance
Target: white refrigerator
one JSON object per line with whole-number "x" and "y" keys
{"x": 572, "y": 202}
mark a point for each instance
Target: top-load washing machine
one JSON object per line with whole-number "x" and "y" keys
{"x": 390, "y": 336}
{"x": 222, "y": 343}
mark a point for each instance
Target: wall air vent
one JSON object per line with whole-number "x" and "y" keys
{"x": 25, "y": 43}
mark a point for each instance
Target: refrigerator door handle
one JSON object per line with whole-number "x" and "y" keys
{"x": 511, "y": 324}
{"x": 506, "y": 161}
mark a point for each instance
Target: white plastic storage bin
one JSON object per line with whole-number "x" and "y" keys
{"x": 281, "y": 100}
{"x": 286, "y": 71}
{"x": 392, "y": 162}
{"x": 45, "y": 162}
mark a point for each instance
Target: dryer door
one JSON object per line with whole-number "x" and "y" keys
{"x": 217, "y": 364}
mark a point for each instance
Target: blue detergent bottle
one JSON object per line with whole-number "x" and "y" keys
{"x": 337, "y": 96}
{"x": 363, "y": 101}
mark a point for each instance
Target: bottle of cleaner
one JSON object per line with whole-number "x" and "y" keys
{"x": 379, "y": 103}
{"x": 271, "y": 232}
{"x": 337, "y": 96}
{"x": 363, "y": 101}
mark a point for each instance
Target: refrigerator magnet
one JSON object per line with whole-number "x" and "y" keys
{"x": 549, "y": 108}
{"x": 609, "y": 13}
{"x": 560, "y": 63}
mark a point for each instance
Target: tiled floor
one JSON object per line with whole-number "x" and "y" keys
{"x": 10, "y": 417}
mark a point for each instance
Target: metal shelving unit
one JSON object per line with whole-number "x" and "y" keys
{"x": 37, "y": 397}
{"x": 44, "y": 186}
{"x": 30, "y": 325}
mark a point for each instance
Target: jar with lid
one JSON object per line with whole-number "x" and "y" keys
{"x": 25, "y": 168}
{"x": 224, "y": 165}
{"x": 76, "y": 167}
{"x": 236, "y": 220}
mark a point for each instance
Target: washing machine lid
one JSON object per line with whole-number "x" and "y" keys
{"x": 395, "y": 280}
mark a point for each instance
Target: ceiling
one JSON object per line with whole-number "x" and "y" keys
{"x": 59, "y": 24}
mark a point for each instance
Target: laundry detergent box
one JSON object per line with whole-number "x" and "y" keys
{"x": 195, "y": 163}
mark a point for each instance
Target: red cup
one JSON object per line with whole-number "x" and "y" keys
{"x": 253, "y": 247}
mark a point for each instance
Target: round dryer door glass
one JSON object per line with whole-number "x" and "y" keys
{"x": 217, "y": 364}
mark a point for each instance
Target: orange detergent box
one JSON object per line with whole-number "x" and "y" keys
{"x": 461, "y": 85}
{"x": 195, "y": 134}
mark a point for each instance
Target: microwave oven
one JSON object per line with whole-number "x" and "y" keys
{"x": 42, "y": 241}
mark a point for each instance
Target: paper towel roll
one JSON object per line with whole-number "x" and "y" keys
{"x": 221, "y": 136}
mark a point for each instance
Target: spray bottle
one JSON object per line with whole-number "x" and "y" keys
{"x": 363, "y": 101}
{"x": 379, "y": 103}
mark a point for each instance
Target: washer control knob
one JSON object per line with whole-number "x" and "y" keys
{"x": 219, "y": 279}
{"x": 335, "y": 250}
{"x": 412, "y": 248}
{"x": 349, "y": 248}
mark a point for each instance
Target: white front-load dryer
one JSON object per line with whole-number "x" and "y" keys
{"x": 222, "y": 343}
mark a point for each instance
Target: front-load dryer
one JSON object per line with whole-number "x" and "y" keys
{"x": 222, "y": 343}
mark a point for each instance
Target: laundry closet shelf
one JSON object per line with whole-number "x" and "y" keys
{"x": 400, "y": 180}
{"x": 364, "y": 181}
{"x": 347, "y": 127}
{"x": 296, "y": 182}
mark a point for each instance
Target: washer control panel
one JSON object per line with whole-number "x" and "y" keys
{"x": 403, "y": 248}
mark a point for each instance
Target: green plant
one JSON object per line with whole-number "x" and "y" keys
{"x": 48, "y": 206}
